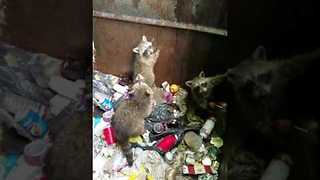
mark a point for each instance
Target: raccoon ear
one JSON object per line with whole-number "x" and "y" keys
{"x": 202, "y": 74}
{"x": 260, "y": 53}
{"x": 136, "y": 50}
{"x": 188, "y": 83}
{"x": 144, "y": 38}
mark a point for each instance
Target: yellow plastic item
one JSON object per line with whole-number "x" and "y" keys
{"x": 174, "y": 88}
{"x": 136, "y": 139}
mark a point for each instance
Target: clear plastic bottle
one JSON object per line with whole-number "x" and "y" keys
{"x": 207, "y": 128}
{"x": 14, "y": 103}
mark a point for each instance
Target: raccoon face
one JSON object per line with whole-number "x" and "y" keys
{"x": 254, "y": 76}
{"x": 201, "y": 85}
{"x": 146, "y": 52}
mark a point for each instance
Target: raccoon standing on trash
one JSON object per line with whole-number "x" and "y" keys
{"x": 145, "y": 59}
{"x": 129, "y": 117}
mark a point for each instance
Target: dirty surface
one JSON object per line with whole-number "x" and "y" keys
{"x": 203, "y": 12}
{"x": 182, "y": 53}
{"x": 59, "y": 28}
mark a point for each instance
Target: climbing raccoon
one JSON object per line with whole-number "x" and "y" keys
{"x": 146, "y": 57}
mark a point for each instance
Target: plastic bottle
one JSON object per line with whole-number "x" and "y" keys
{"x": 67, "y": 88}
{"x": 28, "y": 115}
{"x": 277, "y": 169}
{"x": 207, "y": 128}
{"x": 14, "y": 103}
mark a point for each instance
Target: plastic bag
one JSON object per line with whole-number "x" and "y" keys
{"x": 20, "y": 82}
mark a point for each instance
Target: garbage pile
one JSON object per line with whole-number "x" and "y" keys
{"x": 33, "y": 94}
{"x": 177, "y": 143}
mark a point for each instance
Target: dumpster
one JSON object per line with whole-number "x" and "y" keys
{"x": 188, "y": 42}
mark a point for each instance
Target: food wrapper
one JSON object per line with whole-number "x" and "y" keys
{"x": 197, "y": 169}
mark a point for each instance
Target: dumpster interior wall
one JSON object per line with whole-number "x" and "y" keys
{"x": 61, "y": 29}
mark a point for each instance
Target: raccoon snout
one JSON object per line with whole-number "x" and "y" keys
{"x": 203, "y": 90}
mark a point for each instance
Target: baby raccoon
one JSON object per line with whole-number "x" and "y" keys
{"x": 145, "y": 58}
{"x": 128, "y": 119}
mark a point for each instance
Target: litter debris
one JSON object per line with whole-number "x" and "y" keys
{"x": 175, "y": 143}
{"x": 28, "y": 105}
{"x": 217, "y": 142}
{"x": 207, "y": 128}
{"x": 193, "y": 141}
{"x": 67, "y": 88}
{"x": 58, "y": 103}
{"x": 167, "y": 138}
{"x": 198, "y": 169}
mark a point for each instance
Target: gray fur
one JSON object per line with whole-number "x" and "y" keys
{"x": 129, "y": 117}
{"x": 145, "y": 61}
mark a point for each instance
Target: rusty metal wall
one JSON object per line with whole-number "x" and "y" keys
{"x": 212, "y": 13}
{"x": 57, "y": 27}
{"x": 183, "y": 53}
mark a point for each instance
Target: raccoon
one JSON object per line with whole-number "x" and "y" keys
{"x": 71, "y": 148}
{"x": 262, "y": 87}
{"x": 128, "y": 119}
{"x": 146, "y": 57}
{"x": 202, "y": 87}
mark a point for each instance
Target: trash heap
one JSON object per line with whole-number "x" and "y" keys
{"x": 177, "y": 143}
{"x": 34, "y": 95}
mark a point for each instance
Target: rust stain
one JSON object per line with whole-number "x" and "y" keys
{"x": 183, "y": 53}
{"x": 164, "y": 8}
{"x": 136, "y": 3}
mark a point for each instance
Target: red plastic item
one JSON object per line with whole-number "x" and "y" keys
{"x": 167, "y": 143}
{"x": 109, "y": 136}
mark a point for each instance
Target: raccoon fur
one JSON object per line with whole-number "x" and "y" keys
{"x": 145, "y": 59}
{"x": 262, "y": 86}
{"x": 202, "y": 87}
{"x": 128, "y": 119}
{"x": 70, "y": 155}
